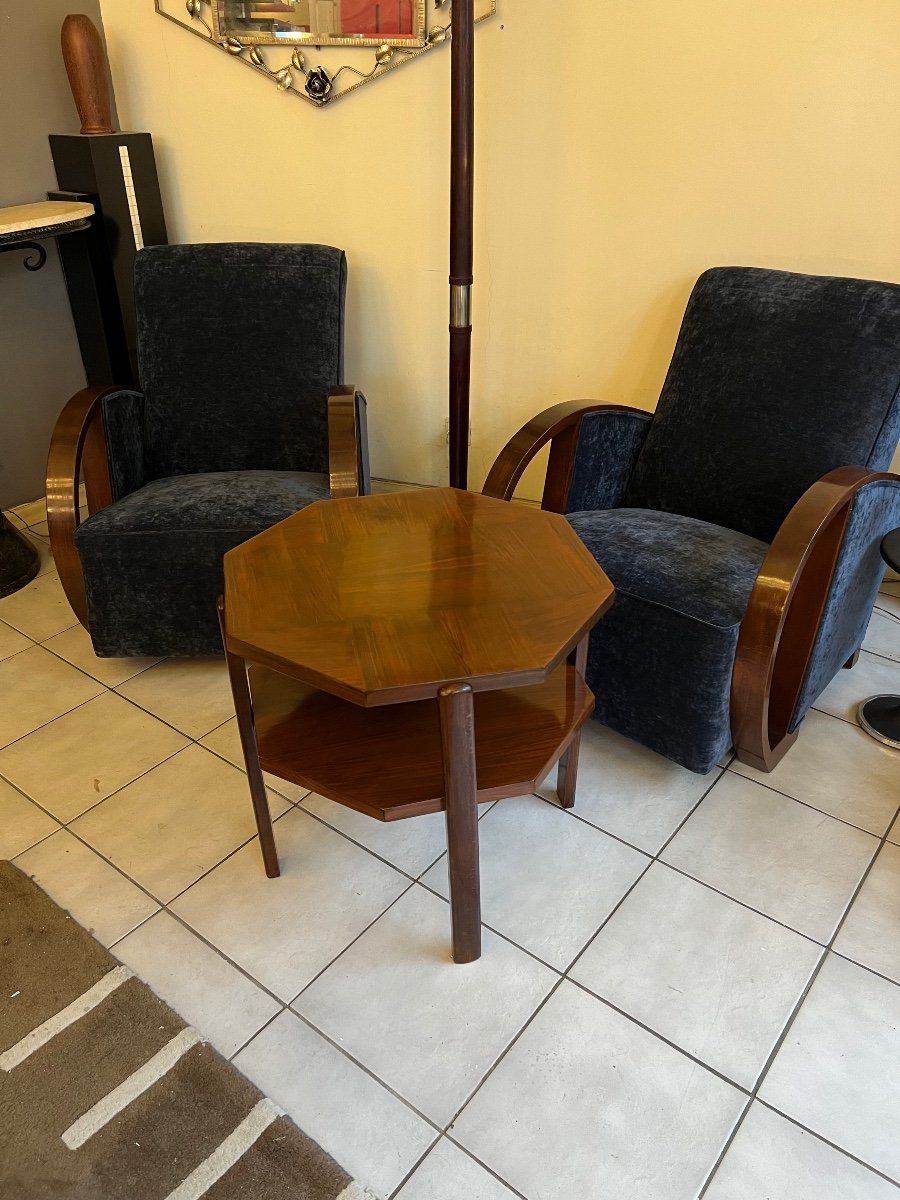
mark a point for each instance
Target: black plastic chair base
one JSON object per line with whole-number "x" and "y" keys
{"x": 19, "y": 560}
{"x": 880, "y": 718}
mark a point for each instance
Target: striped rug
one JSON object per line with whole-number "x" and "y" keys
{"x": 106, "y": 1094}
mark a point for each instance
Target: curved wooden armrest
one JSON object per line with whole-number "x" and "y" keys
{"x": 348, "y": 446}
{"x": 558, "y": 425}
{"x": 779, "y": 629}
{"x": 78, "y": 441}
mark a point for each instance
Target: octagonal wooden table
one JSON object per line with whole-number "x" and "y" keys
{"x": 413, "y": 653}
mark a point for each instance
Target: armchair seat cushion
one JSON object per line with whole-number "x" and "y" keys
{"x": 212, "y": 501}
{"x": 139, "y": 543}
{"x": 660, "y": 661}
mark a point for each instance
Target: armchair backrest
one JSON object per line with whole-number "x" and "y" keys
{"x": 238, "y": 345}
{"x": 776, "y": 379}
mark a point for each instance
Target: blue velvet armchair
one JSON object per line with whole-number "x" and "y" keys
{"x": 740, "y": 523}
{"x": 241, "y": 420}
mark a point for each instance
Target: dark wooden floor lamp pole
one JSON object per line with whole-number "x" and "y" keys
{"x": 462, "y": 143}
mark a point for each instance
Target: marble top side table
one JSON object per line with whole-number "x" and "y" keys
{"x": 26, "y": 227}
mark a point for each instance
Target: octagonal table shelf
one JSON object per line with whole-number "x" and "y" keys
{"x": 387, "y": 761}
{"x": 413, "y": 653}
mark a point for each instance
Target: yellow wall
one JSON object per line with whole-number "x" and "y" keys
{"x": 645, "y": 141}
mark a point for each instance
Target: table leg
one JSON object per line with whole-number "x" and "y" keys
{"x": 461, "y": 788}
{"x": 567, "y": 773}
{"x": 243, "y": 707}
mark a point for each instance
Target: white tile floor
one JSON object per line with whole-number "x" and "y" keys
{"x": 690, "y": 986}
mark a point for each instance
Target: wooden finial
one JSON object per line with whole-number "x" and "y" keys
{"x": 87, "y": 68}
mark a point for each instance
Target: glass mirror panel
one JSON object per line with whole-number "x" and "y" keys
{"x": 321, "y": 22}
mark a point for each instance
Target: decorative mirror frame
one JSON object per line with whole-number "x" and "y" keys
{"x": 293, "y": 73}
{"x": 411, "y": 42}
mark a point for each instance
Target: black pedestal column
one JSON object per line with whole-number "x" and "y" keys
{"x": 880, "y": 715}
{"x": 19, "y": 561}
{"x": 116, "y": 172}
{"x": 33, "y": 225}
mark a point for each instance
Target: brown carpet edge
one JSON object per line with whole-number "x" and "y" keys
{"x": 47, "y": 961}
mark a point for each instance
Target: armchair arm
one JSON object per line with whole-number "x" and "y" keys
{"x": 778, "y": 635}
{"x": 348, "y": 444}
{"x": 78, "y": 443}
{"x": 562, "y": 426}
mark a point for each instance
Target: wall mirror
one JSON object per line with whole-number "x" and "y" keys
{"x": 301, "y": 45}
{"x": 321, "y": 22}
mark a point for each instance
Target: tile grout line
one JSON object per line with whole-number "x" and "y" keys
{"x": 14, "y": 516}
{"x": 326, "y": 1037}
{"x": 252, "y": 979}
{"x": 490, "y": 1170}
{"x": 409, "y": 1174}
{"x": 374, "y": 853}
{"x": 108, "y": 690}
{"x": 299, "y": 803}
{"x": 386, "y": 862}
{"x": 773, "y": 1053}
{"x": 366, "y": 849}
{"x": 792, "y": 1016}
{"x": 653, "y": 1033}
{"x": 243, "y": 770}
{"x": 40, "y": 841}
{"x": 35, "y": 643}
{"x": 253, "y": 1036}
{"x": 59, "y": 716}
{"x": 504, "y": 937}
{"x": 382, "y": 1083}
{"x": 446, "y": 1137}
{"x": 557, "y": 984}
{"x": 740, "y": 1087}
{"x": 681, "y": 824}
{"x": 564, "y": 977}
{"x": 284, "y": 1006}
{"x": 570, "y": 812}
{"x": 497, "y": 933}
{"x": 749, "y": 778}
{"x": 825, "y": 713}
{"x": 331, "y": 962}
{"x": 567, "y": 973}
{"x": 882, "y": 657}
{"x": 834, "y": 1146}
{"x": 121, "y": 871}
{"x": 743, "y": 903}
{"x": 862, "y": 966}
{"x": 110, "y": 687}
{"x": 726, "y": 1146}
{"x": 92, "y": 807}
{"x": 165, "y": 906}
{"x": 168, "y": 758}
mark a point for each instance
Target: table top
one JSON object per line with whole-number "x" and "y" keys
{"x": 43, "y": 215}
{"x": 381, "y": 599}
